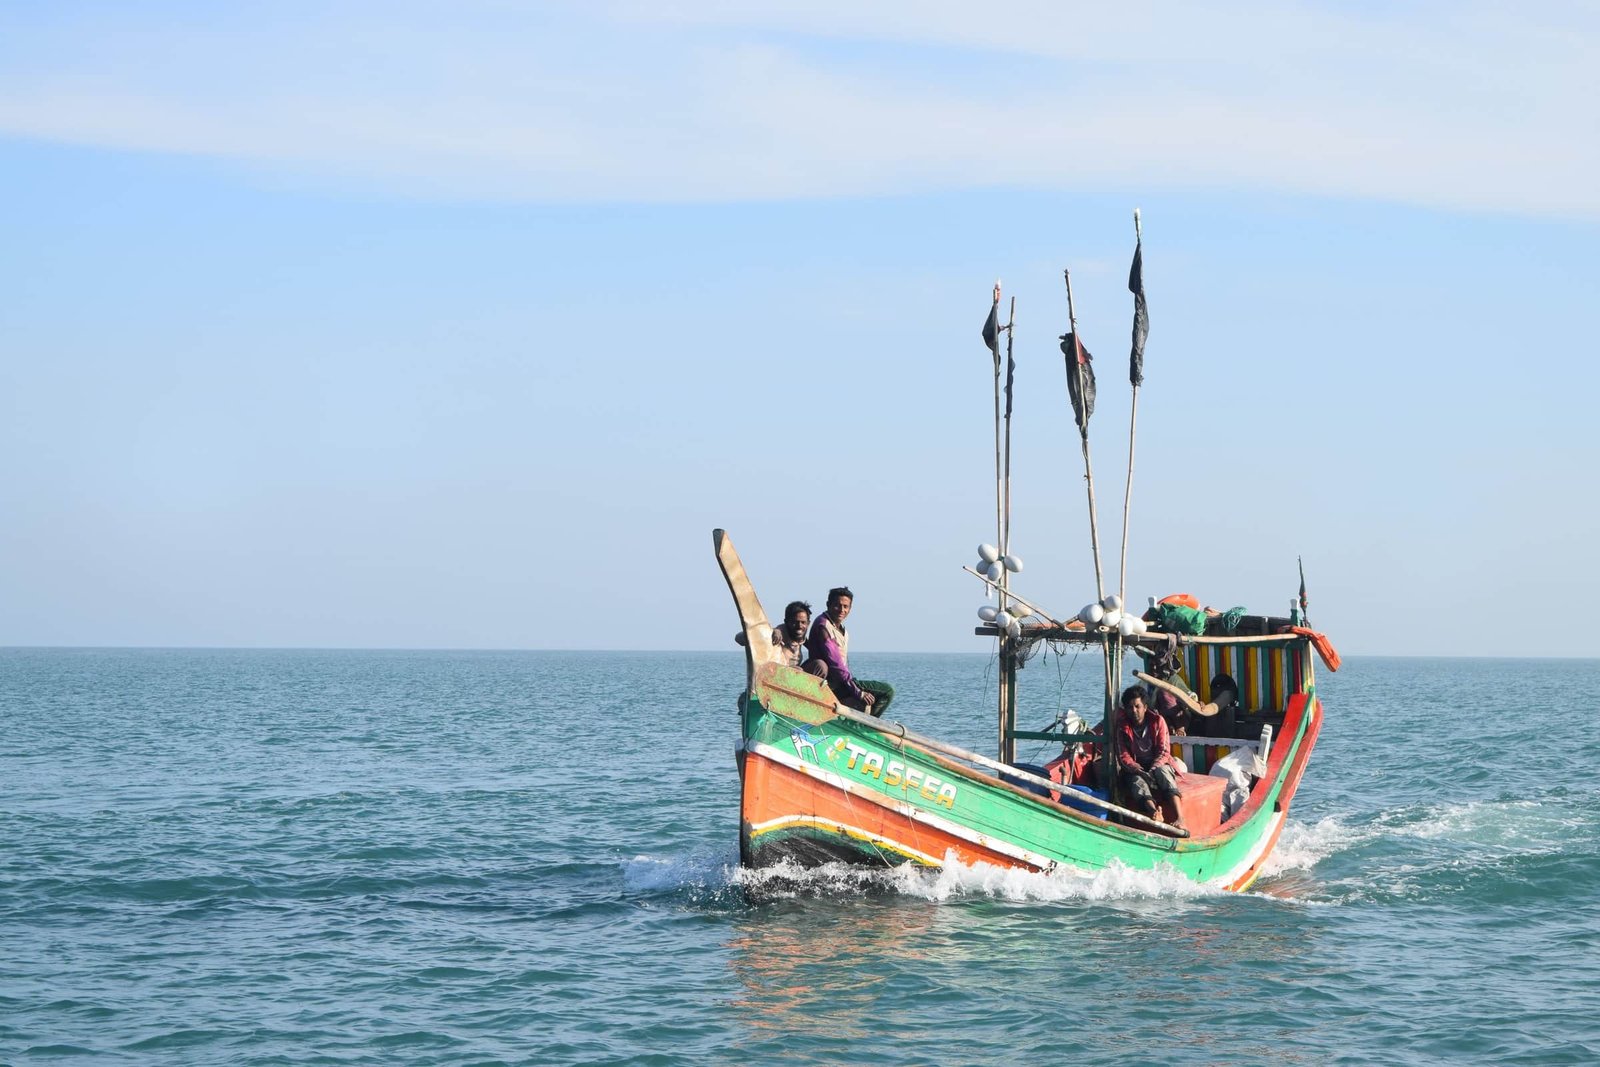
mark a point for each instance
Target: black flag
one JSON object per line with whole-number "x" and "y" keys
{"x": 991, "y": 331}
{"x": 1305, "y": 617}
{"x": 1011, "y": 372}
{"x": 1141, "y": 317}
{"x": 1080, "y": 379}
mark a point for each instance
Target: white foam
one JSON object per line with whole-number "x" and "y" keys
{"x": 953, "y": 881}
{"x": 1116, "y": 882}
{"x": 1302, "y": 846}
{"x": 705, "y": 870}
{"x": 1523, "y": 826}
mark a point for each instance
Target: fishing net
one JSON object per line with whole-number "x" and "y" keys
{"x": 1229, "y": 620}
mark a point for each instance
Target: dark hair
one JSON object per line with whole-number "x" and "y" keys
{"x": 1134, "y": 691}
{"x": 794, "y": 607}
{"x": 838, "y": 591}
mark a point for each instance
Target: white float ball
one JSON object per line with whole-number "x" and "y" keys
{"x": 988, "y": 612}
{"x": 1112, "y": 602}
{"x": 988, "y": 553}
{"x": 993, "y": 572}
{"x": 1112, "y": 620}
{"x": 1127, "y": 626}
{"x": 1091, "y": 614}
{"x": 1012, "y": 564}
{"x": 1003, "y": 619}
{"x": 1014, "y": 629}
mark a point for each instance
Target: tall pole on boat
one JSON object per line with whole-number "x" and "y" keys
{"x": 1080, "y": 383}
{"x": 991, "y": 334}
{"x": 1083, "y": 402}
{"x": 1141, "y": 329}
{"x": 1008, "y": 672}
{"x": 991, "y": 337}
{"x": 1005, "y": 540}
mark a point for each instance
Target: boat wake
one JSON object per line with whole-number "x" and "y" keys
{"x": 1333, "y": 860}
{"x": 1431, "y": 848}
{"x": 700, "y": 875}
{"x": 1304, "y": 845}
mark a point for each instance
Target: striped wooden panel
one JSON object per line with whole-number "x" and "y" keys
{"x": 1267, "y": 675}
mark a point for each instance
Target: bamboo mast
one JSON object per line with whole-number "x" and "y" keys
{"x": 1083, "y": 435}
{"x": 999, "y": 493}
{"x": 1075, "y": 367}
{"x": 1003, "y": 682}
{"x": 1005, "y": 544}
{"x": 1008, "y": 674}
{"x": 1136, "y": 376}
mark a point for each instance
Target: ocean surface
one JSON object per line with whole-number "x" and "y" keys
{"x": 317, "y": 857}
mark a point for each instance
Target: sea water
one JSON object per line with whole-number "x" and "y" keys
{"x": 283, "y": 857}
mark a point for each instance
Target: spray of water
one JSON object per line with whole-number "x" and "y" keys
{"x": 951, "y": 882}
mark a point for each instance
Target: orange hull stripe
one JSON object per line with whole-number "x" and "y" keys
{"x": 775, "y": 792}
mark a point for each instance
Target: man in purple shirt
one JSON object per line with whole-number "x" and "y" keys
{"x": 831, "y": 644}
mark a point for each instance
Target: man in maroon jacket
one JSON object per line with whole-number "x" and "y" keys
{"x": 1144, "y": 759}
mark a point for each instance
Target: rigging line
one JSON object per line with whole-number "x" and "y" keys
{"x": 1061, "y": 680}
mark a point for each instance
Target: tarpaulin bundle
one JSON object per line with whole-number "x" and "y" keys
{"x": 1179, "y": 619}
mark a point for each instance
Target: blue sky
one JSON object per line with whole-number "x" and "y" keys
{"x": 426, "y": 325}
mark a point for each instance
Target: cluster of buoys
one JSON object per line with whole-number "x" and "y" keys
{"x": 991, "y": 564}
{"x": 1005, "y": 620}
{"x": 1107, "y": 615}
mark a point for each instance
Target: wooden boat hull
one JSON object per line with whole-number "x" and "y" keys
{"x": 818, "y": 787}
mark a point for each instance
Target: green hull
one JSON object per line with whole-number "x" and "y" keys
{"x": 818, "y": 787}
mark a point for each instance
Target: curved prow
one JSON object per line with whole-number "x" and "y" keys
{"x": 757, "y": 631}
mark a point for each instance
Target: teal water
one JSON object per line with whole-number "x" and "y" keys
{"x": 285, "y": 857}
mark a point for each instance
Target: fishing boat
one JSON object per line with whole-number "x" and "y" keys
{"x": 822, "y": 782}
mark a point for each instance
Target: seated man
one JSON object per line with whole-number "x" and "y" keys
{"x": 1174, "y": 712}
{"x": 789, "y": 638}
{"x": 831, "y": 644}
{"x": 1144, "y": 760}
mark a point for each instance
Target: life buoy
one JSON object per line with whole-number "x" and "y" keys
{"x": 1186, "y": 600}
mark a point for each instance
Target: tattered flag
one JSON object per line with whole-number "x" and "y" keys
{"x": 1141, "y": 316}
{"x": 991, "y": 330}
{"x": 1011, "y": 373}
{"x": 1080, "y": 379}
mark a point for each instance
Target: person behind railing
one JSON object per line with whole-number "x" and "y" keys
{"x": 1224, "y": 691}
{"x": 789, "y": 638}
{"x": 1144, "y": 760}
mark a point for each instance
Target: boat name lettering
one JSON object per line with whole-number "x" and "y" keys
{"x": 893, "y": 772}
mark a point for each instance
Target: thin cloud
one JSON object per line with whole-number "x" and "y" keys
{"x": 1455, "y": 106}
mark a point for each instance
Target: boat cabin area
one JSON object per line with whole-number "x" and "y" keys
{"x": 1246, "y": 679}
